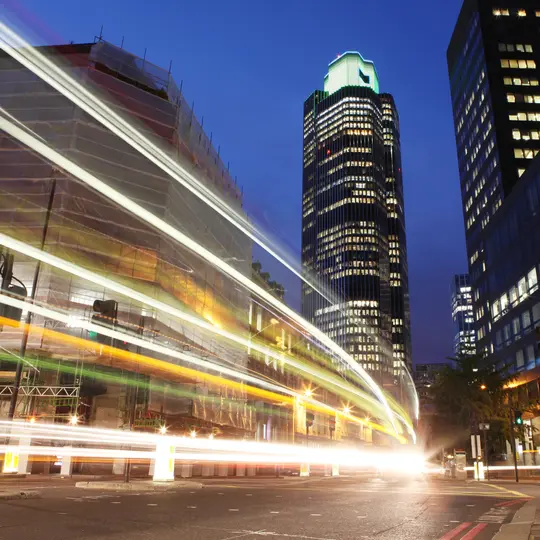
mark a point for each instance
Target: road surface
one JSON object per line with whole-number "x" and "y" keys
{"x": 251, "y": 509}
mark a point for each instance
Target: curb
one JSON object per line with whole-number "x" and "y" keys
{"x": 17, "y": 495}
{"x": 6, "y": 477}
{"x": 520, "y": 527}
{"x": 138, "y": 486}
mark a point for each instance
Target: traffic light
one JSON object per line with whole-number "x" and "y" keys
{"x": 19, "y": 292}
{"x": 106, "y": 315}
{"x": 518, "y": 420}
{"x": 10, "y": 312}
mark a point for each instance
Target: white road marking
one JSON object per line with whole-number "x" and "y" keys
{"x": 62, "y": 513}
{"x": 116, "y": 502}
{"x": 249, "y": 494}
{"x": 274, "y": 512}
{"x": 264, "y": 532}
{"x": 234, "y": 510}
{"x": 471, "y": 505}
{"x": 454, "y": 521}
{"x": 192, "y": 507}
{"x": 316, "y": 515}
{"x": 151, "y": 504}
{"x": 361, "y": 517}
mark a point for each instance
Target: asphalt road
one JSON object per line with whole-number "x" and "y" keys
{"x": 250, "y": 509}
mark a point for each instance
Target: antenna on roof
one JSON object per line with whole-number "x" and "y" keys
{"x": 101, "y": 34}
{"x": 122, "y": 44}
{"x": 170, "y": 67}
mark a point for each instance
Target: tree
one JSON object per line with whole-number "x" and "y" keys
{"x": 475, "y": 392}
{"x": 470, "y": 392}
{"x": 467, "y": 394}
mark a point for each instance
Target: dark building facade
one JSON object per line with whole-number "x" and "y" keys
{"x": 463, "y": 316}
{"x": 512, "y": 253}
{"x": 494, "y": 69}
{"x": 353, "y": 227}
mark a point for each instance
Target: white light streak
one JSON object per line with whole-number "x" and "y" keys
{"x": 74, "y": 322}
{"x": 39, "y": 64}
{"x": 125, "y": 202}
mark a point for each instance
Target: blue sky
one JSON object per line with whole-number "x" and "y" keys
{"x": 249, "y": 66}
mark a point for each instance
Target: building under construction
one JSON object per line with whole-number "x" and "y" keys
{"x": 44, "y": 207}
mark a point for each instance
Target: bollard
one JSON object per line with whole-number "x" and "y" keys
{"x": 15, "y": 461}
{"x": 240, "y": 470}
{"x": 223, "y": 469}
{"x": 335, "y": 469}
{"x": 164, "y": 461}
{"x": 304, "y": 469}
{"x": 67, "y": 465}
{"x": 251, "y": 470}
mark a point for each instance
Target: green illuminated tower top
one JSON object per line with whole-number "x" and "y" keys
{"x": 350, "y": 69}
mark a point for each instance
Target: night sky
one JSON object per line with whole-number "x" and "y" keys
{"x": 250, "y": 65}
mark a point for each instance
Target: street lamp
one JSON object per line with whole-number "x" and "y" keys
{"x": 346, "y": 410}
{"x": 308, "y": 392}
{"x": 74, "y": 419}
{"x": 193, "y": 434}
{"x": 163, "y": 429}
{"x": 483, "y": 387}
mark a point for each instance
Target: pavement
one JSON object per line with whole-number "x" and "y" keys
{"x": 317, "y": 508}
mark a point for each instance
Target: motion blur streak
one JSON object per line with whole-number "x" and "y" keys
{"x": 277, "y": 395}
{"x": 200, "y": 449}
{"x": 19, "y": 49}
{"x": 42, "y": 66}
{"x": 120, "y": 199}
{"x": 76, "y": 270}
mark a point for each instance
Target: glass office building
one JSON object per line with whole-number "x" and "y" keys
{"x": 463, "y": 316}
{"x": 494, "y": 69}
{"x": 353, "y": 228}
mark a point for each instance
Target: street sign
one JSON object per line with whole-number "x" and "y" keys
{"x": 483, "y": 427}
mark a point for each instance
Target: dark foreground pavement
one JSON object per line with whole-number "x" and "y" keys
{"x": 250, "y": 509}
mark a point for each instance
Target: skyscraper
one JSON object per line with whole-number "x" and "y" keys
{"x": 353, "y": 228}
{"x": 463, "y": 316}
{"x": 494, "y": 70}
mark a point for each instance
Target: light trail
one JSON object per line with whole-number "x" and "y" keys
{"x": 120, "y": 199}
{"x": 19, "y": 49}
{"x": 195, "y": 449}
{"x": 24, "y": 53}
{"x": 128, "y": 292}
{"x": 507, "y": 468}
{"x": 274, "y": 392}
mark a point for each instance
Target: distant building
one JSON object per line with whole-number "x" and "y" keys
{"x": 353, "y": 226}
{"x": 463, "y": 316}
